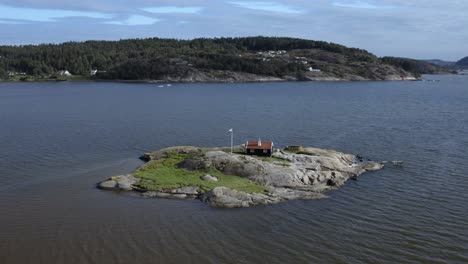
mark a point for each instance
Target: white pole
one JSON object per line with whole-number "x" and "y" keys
{"x": 232, "y": 139}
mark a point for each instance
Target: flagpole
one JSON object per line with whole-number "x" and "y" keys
{"x": 232, "y": 139}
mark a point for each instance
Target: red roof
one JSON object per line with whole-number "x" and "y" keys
{"x": 254, "y": 145}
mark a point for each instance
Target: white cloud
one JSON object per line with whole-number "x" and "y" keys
{"x": 13, "y": 22}
{"x": 268, "y": 6}
{"x": 173, "y": 10}
{"x": 8, "y": 13}
{"x": 415, "y": 28}
{"x": 361, "y": 5}
{"x": 135, "y": 20}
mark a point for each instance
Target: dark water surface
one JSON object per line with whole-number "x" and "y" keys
{"x": 57, "y": 140}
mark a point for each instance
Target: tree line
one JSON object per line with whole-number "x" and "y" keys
{"x": 155, "y": 58}
{"x": 416, "y": 67}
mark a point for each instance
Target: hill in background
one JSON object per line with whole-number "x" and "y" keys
{"x": 463, "y": 62}
{"x": 219, "y": 59}
{"x": 442, "y": 62}
{"x": 420, "y": 66}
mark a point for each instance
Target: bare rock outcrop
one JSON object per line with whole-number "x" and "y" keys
{"x": 288, "y": 176}
{"x": 225, "y": 197}
{"x": 119, "y": 183}
{"x": 209, "y": 178}
{"x": 313, "y": 167}
{"x": 188, "y": 192}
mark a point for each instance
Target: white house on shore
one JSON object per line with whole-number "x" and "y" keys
{"x": 313, "y": 70}
{"x": 93, "y": 72}
{"x": 10, "y": 73}
{"x": 64, "y": 73}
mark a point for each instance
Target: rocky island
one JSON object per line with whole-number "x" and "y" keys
{"x": 223, "y": 179}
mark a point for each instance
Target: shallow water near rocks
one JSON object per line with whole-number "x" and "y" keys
{"x": 57, "y": 140}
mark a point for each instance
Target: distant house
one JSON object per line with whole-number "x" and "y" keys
{"x": 272, "y": 53}
{"x": 178, "y": 61}
{"x": 313, "y": 70}
{"x": 10, "y": 73}
{"x": 64, "y": 73}
{"x": 259, "y": 148}
{"x": 93, "y": 72}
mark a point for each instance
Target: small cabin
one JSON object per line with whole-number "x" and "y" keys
{"x": 259, "y": 148}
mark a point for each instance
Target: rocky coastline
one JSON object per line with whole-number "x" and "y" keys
{"x": 305, "y": 173}
{"x": 389, "y": 73}
{"x": 376, "y": 73}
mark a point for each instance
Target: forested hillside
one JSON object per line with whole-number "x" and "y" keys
{"x": 417, "y": 67}
{"x": 463, "y": 62}
{"x": 145, "y": 59}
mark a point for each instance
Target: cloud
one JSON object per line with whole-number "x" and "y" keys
{"x": 172, "y": 10}
{"x": 416, "y": 28}
{"x": 18, "y": 14}
{"x": 12, "y": 22}
{"x": 135, "y": 20}
{"x": 267, "y": 6}
{"x": 361, "y": 5}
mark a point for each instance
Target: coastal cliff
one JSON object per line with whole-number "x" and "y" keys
{"x": 222, "y": 179}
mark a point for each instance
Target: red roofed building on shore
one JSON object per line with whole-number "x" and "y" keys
{"x": 259, "y": 148}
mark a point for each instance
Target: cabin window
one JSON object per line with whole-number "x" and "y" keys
{"x": 265, "y": 151}
{"x": 252, "y": 151}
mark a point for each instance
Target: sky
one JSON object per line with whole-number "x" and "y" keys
{"x": 421, "y": 29}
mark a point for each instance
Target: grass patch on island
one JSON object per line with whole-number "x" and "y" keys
{"x": 163, "y": 174}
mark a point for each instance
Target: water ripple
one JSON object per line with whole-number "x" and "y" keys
{"x": 72, "y": 135}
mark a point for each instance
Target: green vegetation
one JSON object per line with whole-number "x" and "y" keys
{"x": 463, "y": 62}
{"x": 26, "y": 78}
{"x": 41, "y": 78}
{"x": 164, "y": 174}
{"x": 154, "y": 58}
{"x": 417, "y": 67}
